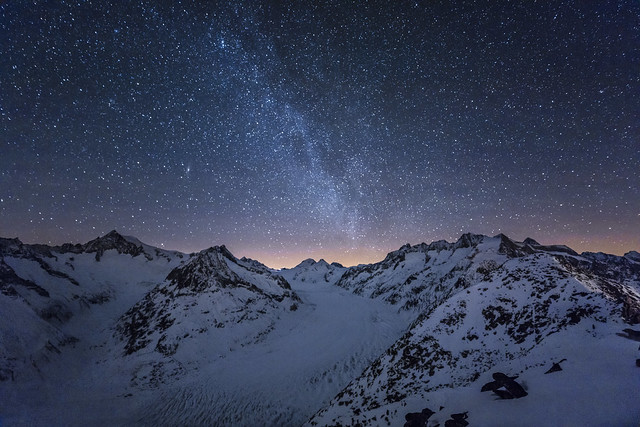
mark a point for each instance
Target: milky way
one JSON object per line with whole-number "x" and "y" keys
{"x": 320, "y": 129}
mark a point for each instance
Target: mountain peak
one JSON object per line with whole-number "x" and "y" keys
{"x": 633, "y": 256}
{"x": 108, "y": 239}
{"x": 469, "y": 240}
{"x": 7, "y": 244}
{"x": 214, "y": 258}
{"x": 113, "y": 234}
{"x": 114, "y": 240}
{"x": 222, "y": 250}
{"x": 307, "y": 262}
{"x": 208, "y": 267}
{"x": 512, "y": 248}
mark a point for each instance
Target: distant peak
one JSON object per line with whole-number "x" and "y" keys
{"x": 113, "y": 233}
{"x": 529, "y": 241}
{"x": 213, "y": 256}
{"x": 633, "y": 255}
{"x": 307, "y": 262}
{"x": 222, "y": 250}
{"x": 504, "y": 238}
{"x": 13, "y": 240}
{"x": 9, "y": 245}
{"x": 438, "y": 245}
{"x": 512, "y": 248}
{"x": 112, "y": 236}
{"x": 468, "y": 240}
{"x": 111, "y": 240}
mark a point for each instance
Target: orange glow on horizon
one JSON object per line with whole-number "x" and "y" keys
{"x": 347, "y": 258}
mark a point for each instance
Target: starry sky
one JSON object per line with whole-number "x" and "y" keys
{"x": 325, "y": 129}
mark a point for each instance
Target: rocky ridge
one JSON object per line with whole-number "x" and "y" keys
{"x": 213, "y": 290}
{"x": 494, "y": 303}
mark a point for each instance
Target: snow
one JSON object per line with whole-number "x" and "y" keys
{"x": 308, "y": 357}
{"x": 224, "y": 376}
{"x": 598, "y": 386}
{"x": 245, "y": 355}
{"x": 446, "y": 357}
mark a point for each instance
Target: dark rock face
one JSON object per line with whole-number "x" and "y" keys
{"x": 633, "y": 255}
{"x": 6, "y": 375}
{"x": 210, "y": 268}
{"x": 457, "y": 420}
{"x": 237, "y": 290}
{"x": 468, "y": 240}
{"x": 418, "y": 419}
{"x": 9, "y": 279}
{"x": 113, "y": 240}
{"x": 630, "y": 334}
{"x": 514, "y": 250}
{"x": 610, "y": 274}
{"x": 505, "y": 387}
{"x": 555, "y": 367}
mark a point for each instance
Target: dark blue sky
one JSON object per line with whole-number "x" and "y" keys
{"x": 320, "y": 129}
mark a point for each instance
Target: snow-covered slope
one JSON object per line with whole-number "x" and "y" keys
{"x": 48, "y": 295}
{"x": 243, "y": 347}
{"x": 283, "y": 378}
{"x": 211, "y": 294}
{"x": 420, "y": 277}
{"x": 520, "y": 308}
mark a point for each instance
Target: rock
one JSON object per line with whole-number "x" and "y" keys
{"x": 459, "y": 417}
{"x": 457, "y": 420}
{"x": 630, "y": 334}
{"x": 638, "y": 363}
{"x": 555, "y": 367}
{"x": 515, "y": 389}
{"x": 6, "y": 375}
{"x": 492, "y": 386}
{"x": 499, "y": 376}
{"x": 505, "y": 387}
{"x": 418, "y": 419}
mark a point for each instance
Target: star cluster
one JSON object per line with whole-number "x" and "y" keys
{"x": 288, "y": 130}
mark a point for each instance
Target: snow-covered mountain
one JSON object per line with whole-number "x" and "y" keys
{"x": 420, "y": 277}
{"x": 311, "y": 272}
{"x": 497, "y": 307}
{"x": 138, "y": 335}
{"x": 211, "y": 292}
{"x": 47, "y": 293}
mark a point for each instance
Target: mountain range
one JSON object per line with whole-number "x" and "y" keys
{"x": 482, "y": 331}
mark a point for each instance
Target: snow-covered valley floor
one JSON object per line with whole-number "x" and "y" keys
{"x": 308, "y": 357}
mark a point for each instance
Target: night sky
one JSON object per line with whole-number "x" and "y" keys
{"x": 335, "y": 129}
